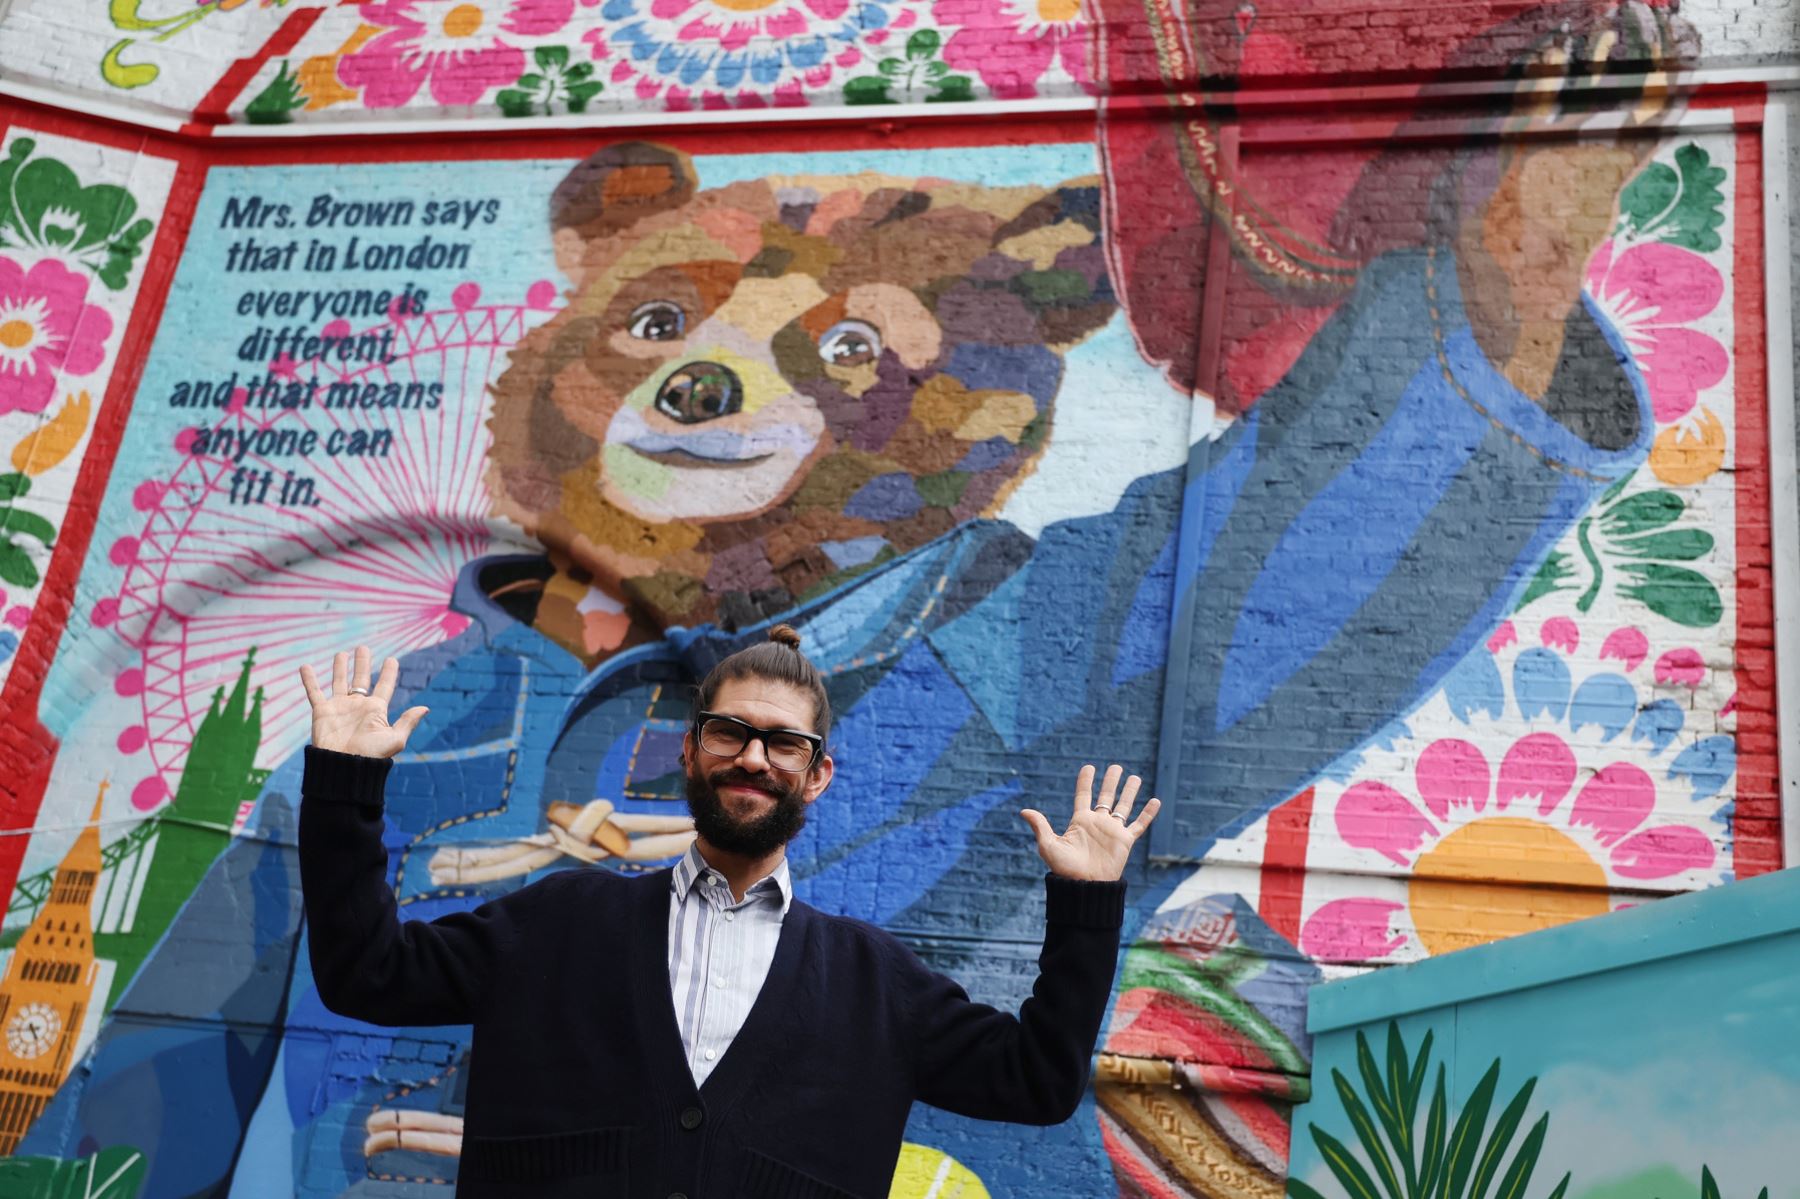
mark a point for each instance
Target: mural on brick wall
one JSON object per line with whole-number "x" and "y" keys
{"x": 1408, "y": 551}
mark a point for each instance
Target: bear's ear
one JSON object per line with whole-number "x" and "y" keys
{"x": 611, "y": 190}
{"x": 1064, "y": 283}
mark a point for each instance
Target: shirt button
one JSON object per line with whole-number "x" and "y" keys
{"x": 691, "y": 1118}
{"x": 731, "y": 915}
{"x": 711, "y": 1054}
{"x": 718, "y": 983}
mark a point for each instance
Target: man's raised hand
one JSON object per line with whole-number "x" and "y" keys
{"x": 353, "y": 719}
{"x": 1098, "y": 839}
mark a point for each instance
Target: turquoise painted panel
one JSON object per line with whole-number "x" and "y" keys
{"x": 1652, "y": 1054}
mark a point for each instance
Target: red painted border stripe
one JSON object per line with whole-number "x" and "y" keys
{"x": 26, "y": 746}
{"x": 1284, "y": 866}
{"x": 1756, "y": 824}
{"x": 216, "y": 104}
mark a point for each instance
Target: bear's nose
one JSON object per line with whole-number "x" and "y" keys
{"x": 700, "y": 391}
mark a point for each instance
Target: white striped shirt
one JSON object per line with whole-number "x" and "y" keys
{"x": 719, "y": 953}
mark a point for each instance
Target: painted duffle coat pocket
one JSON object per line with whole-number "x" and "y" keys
{"x": 590, "y": 1162}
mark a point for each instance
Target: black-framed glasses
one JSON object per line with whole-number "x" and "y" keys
{"x": 786, "y": 749}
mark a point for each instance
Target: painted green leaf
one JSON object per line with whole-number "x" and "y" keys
{"x": 551, "y": 58}
{"x": 1500, "y": 1140}
{"x": 1436, "y": 1122}
{"x": 1709, "y": 1187}
{"x": 893, "y": 68}
{"x": 275, "y": 104}
{"x": 1681, "y": 205}
{"x": 53, "y": 208}
{"x": 47, "y": 207}
{"x": 1549, "y": 578}
{"x": 1367, "y": 1133}
{"x": 923, "y": 44}
{"x": 1641, "y": 513}
{"x": 952, "y": 89}
{"x": 578, "y": 72}
{"x": 16, "y": 154}
{"x": 867, "y": 89}
{"x": 17, "y": 520}
{"x": 581, "y": 93}
{"x": 1350, "y": 1174}
{"x": 13, "y": 485}
{"x": 1648, "y": 196}
{"x": 1300, "y": 1190}
{"x": 1695, "y": 219}
{"x": 1465, "y": 1139}
{"x": 119, "y": 255}
{"x": 1373, "y": 1082}
{"x": 15, "y": 567}
{"x": 1674, "y": 592}
{"x": 1518, "y": 1175}
{"x": 1562, "y": 1186}
{"x": 1415, "y": 1085}
{"x": 514, "y": 103}
{"x": 935, "y": 70}
{"x": 1674, "y": 545}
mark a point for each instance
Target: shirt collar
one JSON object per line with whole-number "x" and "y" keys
{"x": 692, "y": 867}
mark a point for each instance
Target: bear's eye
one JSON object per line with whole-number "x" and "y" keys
{"x": 658, "y": 320}
{"x": 850, "y": 343}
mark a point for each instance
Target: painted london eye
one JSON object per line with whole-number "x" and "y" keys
{"x": 285, "y": 531}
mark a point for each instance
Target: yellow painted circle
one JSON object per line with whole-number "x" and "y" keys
{"x": 462, "y": 21}
{"x": 1058, "y": 11}
{"x": 1500, "y": 877}
{"x": 14, "y": 334}
{"x": 926, "y": 1173}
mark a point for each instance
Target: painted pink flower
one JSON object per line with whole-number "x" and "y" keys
{"x": 1013, "y": 44}
{"x": 1567, "y": 789}
{"x": 460, "y": 49}
{"x": 1653, "y": 292}
{"x": 46, "y": 332}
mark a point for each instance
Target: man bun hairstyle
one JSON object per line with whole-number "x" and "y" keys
{"x": 777, "y": 660}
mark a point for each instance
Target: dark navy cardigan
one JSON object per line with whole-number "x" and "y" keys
{"x": 578, "y": 1084}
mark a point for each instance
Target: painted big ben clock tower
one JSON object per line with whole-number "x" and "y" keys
{"x": 48, "y": 986}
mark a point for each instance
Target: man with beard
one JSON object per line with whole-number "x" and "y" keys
{"x": 783, "y": 1048}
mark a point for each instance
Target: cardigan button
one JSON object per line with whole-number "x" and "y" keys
{"x": 690, "y": 1120}
{"x": 677, "y": 1195}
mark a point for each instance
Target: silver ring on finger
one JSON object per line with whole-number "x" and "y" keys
{"x": 1101, "y": 808}
{"x": 358, "y": 691}
{"x": 1116, "y": 814}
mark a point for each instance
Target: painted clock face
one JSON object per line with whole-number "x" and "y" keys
{"x": 33, "y": 1030}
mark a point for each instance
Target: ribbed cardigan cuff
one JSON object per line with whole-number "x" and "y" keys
{"x": 335, "y": 777}
{"x": 1084, "y": 903}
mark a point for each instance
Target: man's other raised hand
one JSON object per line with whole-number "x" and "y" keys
{"x": 353, "y": 719}
{"x": 1098, "y": 839}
